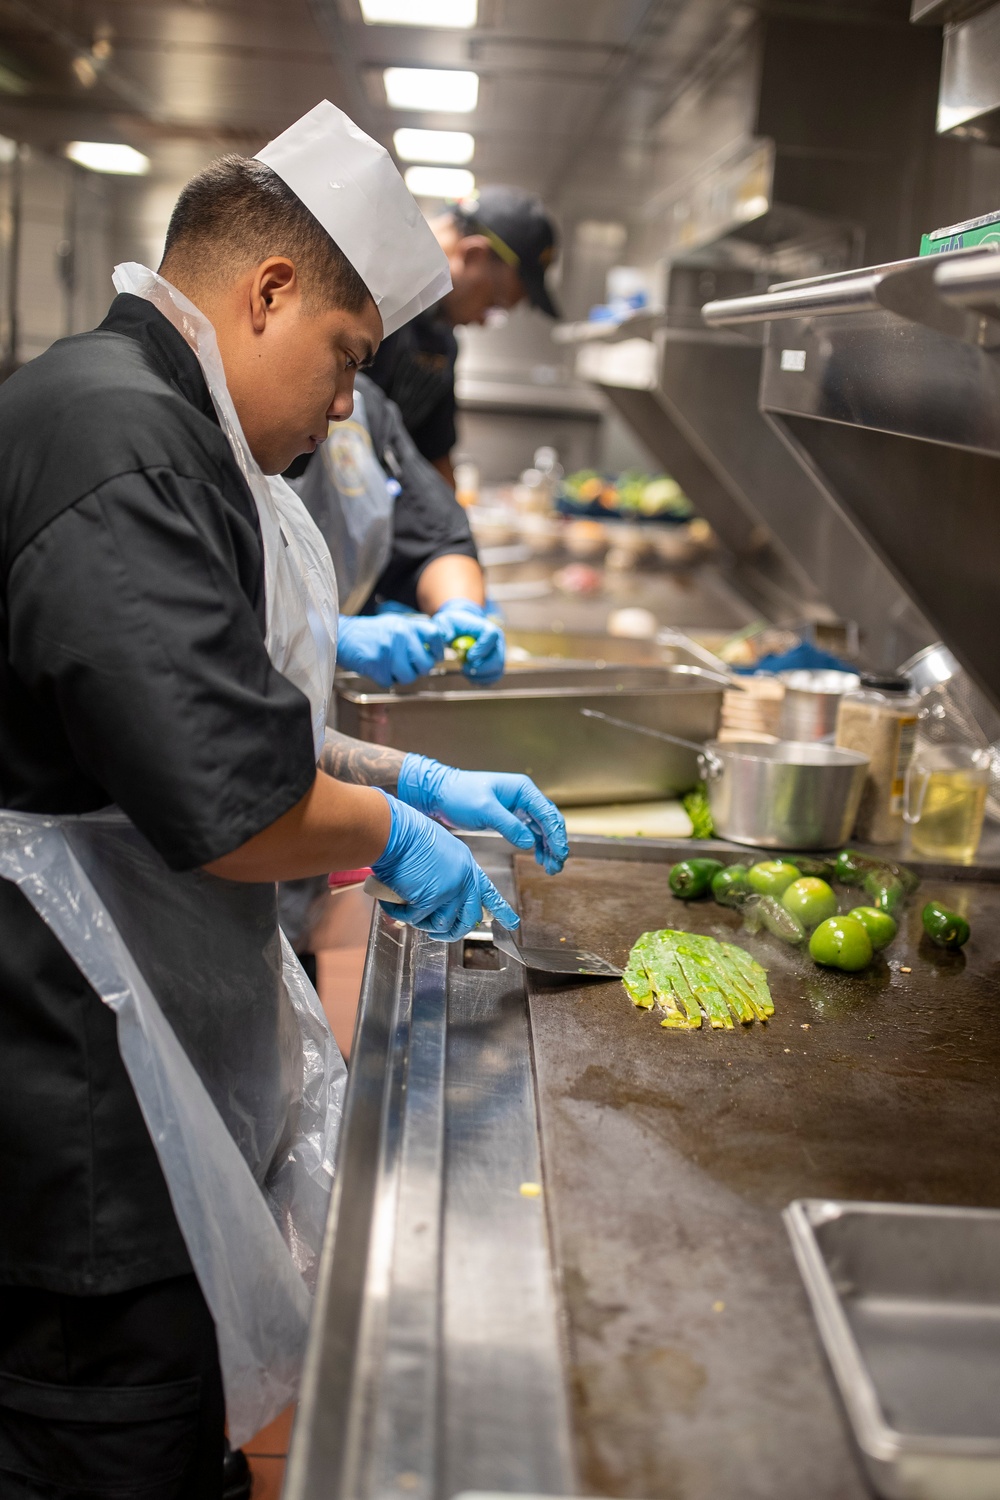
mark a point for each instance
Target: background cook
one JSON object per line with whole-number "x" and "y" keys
{"x": 407, "y": 567}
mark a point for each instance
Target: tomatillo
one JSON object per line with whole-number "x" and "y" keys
{"x": 810, "y": 899}
{"x": 878, "y": 924}
{"x": 841, "y": 943}
{"x": 462, "y": 645}
{"x": 771, "y": 877}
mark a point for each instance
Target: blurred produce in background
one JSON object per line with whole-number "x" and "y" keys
{"x": 640, "y": 497}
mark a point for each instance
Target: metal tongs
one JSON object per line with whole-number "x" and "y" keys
{"x": 548, "y": 960}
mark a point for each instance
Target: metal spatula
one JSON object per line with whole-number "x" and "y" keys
{"x": 561, "y": 960}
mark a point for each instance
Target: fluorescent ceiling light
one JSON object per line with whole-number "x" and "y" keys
{"x": 455, "y": 147}
{"x": 439, "y": 182}
{"x": 106, "y": 156}
{"x": 460, "y": 14}
{"x": 439, "y": 89}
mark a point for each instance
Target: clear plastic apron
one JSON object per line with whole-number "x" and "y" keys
{"x": 351, "y": 499}
{"x": 232, "y": 1061}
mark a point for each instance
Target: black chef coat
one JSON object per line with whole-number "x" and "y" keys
{"x": 415, "y": 366}
{"x": 132, "y": 671}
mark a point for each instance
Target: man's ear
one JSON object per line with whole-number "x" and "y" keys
{"x": 274, "y": 286}
{"x": 475, "y": 250}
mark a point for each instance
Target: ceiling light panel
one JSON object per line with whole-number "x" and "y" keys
{"x": 107, "y": 156}
{"x": 459, "y": 15}
{"x": 454, "y": 147}
{"x": 439, "y": 182}
{"x": 445, "y": 91}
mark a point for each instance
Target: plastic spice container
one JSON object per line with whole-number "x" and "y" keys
{"x": 880, "y": 720}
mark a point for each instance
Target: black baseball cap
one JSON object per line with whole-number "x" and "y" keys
{"x": 521, "y": 233}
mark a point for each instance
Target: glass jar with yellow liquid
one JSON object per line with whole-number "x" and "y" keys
{"x": 945, "y": 799}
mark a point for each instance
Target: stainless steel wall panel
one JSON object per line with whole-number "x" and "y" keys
{"x": 901, "y": 423}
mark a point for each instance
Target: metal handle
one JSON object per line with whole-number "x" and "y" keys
{"x": 669, "y": 637}
{"x": 853, "y": 294}
{"x": 971, "y": 282}
{"x": 935, "y": 291}
{"x": 709, "y": 763}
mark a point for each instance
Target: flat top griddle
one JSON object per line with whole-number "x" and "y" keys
{"x": 696, "y": 1370}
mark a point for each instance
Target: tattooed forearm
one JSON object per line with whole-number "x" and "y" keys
{"x": 360, "y": 762}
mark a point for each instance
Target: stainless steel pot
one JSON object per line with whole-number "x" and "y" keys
{"x": 789, "y": 795}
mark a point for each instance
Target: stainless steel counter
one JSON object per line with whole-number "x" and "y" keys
{"x": 435, "y": 1364}
{"x": 640, "y": 1329}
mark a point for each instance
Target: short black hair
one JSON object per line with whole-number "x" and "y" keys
{"x": 236, "y": 212}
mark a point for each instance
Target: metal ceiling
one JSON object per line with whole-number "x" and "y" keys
{"x": 569, "y": 88}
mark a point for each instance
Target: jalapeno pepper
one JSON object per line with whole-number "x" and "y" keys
{"x": 884, "y": 891}
{"x": 693, "y": 877}
{"x": 945, "y": 928}
{"x": 851, "y": 868}
{"x": 820, "y": 869}
{"x": 729, "y": 886}
{"x": 767, "y": 911}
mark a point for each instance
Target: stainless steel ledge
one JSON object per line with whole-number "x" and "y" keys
{"x": 435, "y": 1361}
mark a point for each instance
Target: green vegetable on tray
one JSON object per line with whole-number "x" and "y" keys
{"x": 810, "y": 899}
{"x": 693, "y": 877}
{"x": 841, "y": 943}
{"x": 771, "y": 877}
{"x": 768, "y": 912}
{"x": 879, "y": 925}
{"x": 852, "y": 868}
{"x": 946, "y": 929}
{"x": 690, "y": 977}
{"x": 884, "y": 892}
{"x": 462, "y": 645}
{"x": 821, "y": 869}
{"x": 696, "y": 806}
{"x": 729, "y": 886}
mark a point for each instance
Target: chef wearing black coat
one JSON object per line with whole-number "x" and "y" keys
{"x": 133, "y": 671}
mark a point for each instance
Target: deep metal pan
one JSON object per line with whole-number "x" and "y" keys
{"x": 787, "y": 795}
{"x": 530, "y": 722}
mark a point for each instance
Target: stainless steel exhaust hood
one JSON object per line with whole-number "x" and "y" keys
{"x": 969, "y": 95}
{"x": 885, "y": 384}
{"x": 691, "y": 396}
{"x": 784, "y": 180}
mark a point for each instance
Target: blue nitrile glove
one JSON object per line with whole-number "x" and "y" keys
{"x": 485, "y": 660}
{"x": 443, "y": 889}
{"x": 389, "y": 648}
{"x": 510, "y": 804}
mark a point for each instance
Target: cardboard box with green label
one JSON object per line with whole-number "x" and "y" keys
{"x": 983, "y": 232}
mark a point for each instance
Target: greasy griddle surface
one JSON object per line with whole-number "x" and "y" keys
{"x": 695, "y": 1364}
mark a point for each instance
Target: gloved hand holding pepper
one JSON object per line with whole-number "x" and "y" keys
{"x": 484, "y": 661}
{"x": 510, "y": 804}
{"x": 390, "y": 648}
{"x": 443, "y": 889}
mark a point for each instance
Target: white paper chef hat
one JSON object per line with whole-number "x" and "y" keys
{"x": 349, "y": 183}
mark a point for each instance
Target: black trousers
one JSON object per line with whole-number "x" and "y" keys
{"x": 111, "y": 1397}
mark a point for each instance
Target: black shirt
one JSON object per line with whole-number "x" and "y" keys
{"x": 415, "y": 366}
{"x": 427, "y": 520}
{"x": 132, "y": 671}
